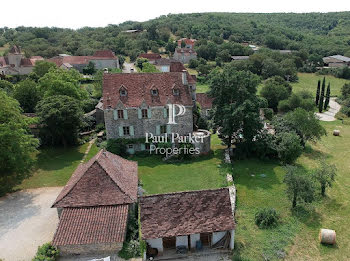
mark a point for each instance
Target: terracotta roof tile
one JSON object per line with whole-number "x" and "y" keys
{"x": 139, "y": 85}
{"x": 185, "y": 51}
{"x": 187, "y": 41}
{"x": 150, "y": 56}
{"x": 92, "y": 225}
{"x": 204, "y": 100}
{"x": 104, "y": 53}
{"x": 186, "y": 213}
{"x": 106, "y": 179}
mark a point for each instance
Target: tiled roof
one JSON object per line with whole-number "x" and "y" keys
{"x": 139, "y": 86}
{"x": 187, "y": 41}
{"x": 186, "y": 213}
{"x": 239, "y": 58}
{"x": 104, "y": 53}
{"x": 185, "y": 51}
{"x": 204, "y": 100}
{"x": 26, "y": 62}
{"x": 341, "y": 58}
{"x": 106, "y": 179}
{"x": 2, "y": 61}
{"x": 150, "y": 56}
{"x": 92, "y": 225}
{"x": 15, "y": 50}
{"x": 164, "y": 61}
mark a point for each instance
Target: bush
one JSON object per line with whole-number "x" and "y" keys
{"x": 288, "y": 146}
{"x": 46, "y": 252}
{"x": 268, "y": 112}
{"x": 117, "y": 146}
{"x": 266, "y": 218}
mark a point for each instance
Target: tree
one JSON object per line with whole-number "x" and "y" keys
{"x": 17, "y": 144}
{"x": 236, "y": 106}
{"x": 121, "y": 60}
{"x": 288, "y": 146}
{"x": 60, "y": 118}
{"x": 43, "y": 67}
{"x": 140, "y": 61}
{"x": 27, "y": 93}
{"x": 328, "y": 96}
{"x": 89, "y": 69}
{"x": 62, "y": 82}
{"x": 274, "y": 90}
{"x": 318, "y": 92}
{"x": 345, "y": 90}
{"x": 320, "y": 104}
{"x": 325, "y": 175}
{"x": 300, "y": 187}
{"x": 7, "y": 87}
{"x": 149, "y": 68}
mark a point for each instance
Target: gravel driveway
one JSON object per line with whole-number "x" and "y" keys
{"x": 26, "y": 222}
{"x": 329, "y": 115}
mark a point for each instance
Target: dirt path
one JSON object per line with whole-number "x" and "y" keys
{"x": 26, "y": 222}
{"x": 329, "y": 115}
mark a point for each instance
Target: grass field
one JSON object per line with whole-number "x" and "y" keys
{"x": 55, "y": 166}
{"x": 296, "y": 238}
{"x": 202, "y": 173}
{"x": 202, "y": 88}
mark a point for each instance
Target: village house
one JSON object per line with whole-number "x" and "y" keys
{"x": 94, "y": 206}
{"x": 136, "y": 103}
{"x": 336, "y": 61}
{"x": 102, "y": 59}
{"x": 206, "y": 104}
{"x": 184, "y": 55}
{"x": 151, "y": 57}
{"x": 15, "y": 63}
{"x": 239, "y": 58}
{"x": 189, "y": 43}
{"x": 188, "y": 221}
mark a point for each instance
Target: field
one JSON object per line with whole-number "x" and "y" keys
{"x": 296, "y": 238}
{"x": 55, "y": 166}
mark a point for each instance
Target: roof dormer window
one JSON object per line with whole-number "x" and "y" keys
{"x": 176, "y": 92}
{"x": 123, "y": 92}
{"x": 154, "y": 92}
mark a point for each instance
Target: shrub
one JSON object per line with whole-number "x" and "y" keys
{"x": 268, "y": 112}
{"x": 288, "y": 146}
{"x": 266, "y": 218}
{"x": 100, "y": 127}
{"x": 117, "y": 146}
{"x": 46, "y": 252}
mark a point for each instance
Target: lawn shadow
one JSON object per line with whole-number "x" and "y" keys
{"x": 314, "y": 154}
{"x": 49, "y": 158}
{"x": 14, "y": 208}
{"x": 308, "y": 215}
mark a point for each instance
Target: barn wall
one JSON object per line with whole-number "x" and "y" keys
{"x": 194, "y": 238}
{"x": 217, "y": 236}
{"x": 182, "y": 241}
{"x": 107, "y": 248}
{"x": 156, "y": 243}
{"x": 232, "y": 241}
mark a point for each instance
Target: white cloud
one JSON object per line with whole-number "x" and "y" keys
{"x": 78, "y": 13}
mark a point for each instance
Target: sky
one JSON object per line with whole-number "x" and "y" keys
{"x": 77, "y": 13}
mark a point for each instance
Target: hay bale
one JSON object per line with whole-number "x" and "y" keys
{"x": 336, "y": 132}
{"x": 327, "y": 236}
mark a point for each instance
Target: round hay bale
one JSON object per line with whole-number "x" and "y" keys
{"x": 327, "y": 236}
{"x": 336, "y": 132}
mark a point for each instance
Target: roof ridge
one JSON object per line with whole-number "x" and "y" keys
{"x": 183, "y": 192}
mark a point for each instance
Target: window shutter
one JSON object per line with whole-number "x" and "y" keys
{"x": 143, "y": 147}
{"x": 139, "y": 113}
{"x": 115, "y": 114}
{"x": 132, "y": 131}
{"x": 149, "y": 113}
{"x": 121, "y": 133}
{"x": 165, "y": 113}
{"x": 168, "y": 129}
{"x": 125, "y": 113}
{"x": 157, "y": 130}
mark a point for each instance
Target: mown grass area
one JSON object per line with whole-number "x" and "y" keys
{"x": 308, "y": 82}
{"x": 296, "y": 238}
{"x": 54, "y": 166}
{"x": 204, "y": 172}
{"x": 202, "y": 88}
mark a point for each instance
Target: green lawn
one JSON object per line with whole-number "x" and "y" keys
{"x": 297, "y": 235}
{"x": 202, "y": 88}
{"x": 55, "y": 166}
{"x": 205, "y": 172}
{"x": 308, "y": 81}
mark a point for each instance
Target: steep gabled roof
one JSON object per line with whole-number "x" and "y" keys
{"x": 139, "y": 87}
{"x": 204, "y": 100}
{"x": 104, "y": 53}
{"x": 106, "y": 179}
{"x": 150, "y": 56}
{"x": 186, "y": 213}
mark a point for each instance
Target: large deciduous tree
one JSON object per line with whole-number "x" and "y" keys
{"x": 16, "y": 143}
{"x": 325, "y": 175}
{"x": 60, "y": 118}
{"x": 27, "y": 93}
{"x": 236, "y": 106}
{"x": 43, "y": 67}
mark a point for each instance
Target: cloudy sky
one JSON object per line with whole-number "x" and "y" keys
{"x": 78, "y": 13}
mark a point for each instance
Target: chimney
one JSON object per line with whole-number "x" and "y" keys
{"x": 131, "y": 70}
{"x": 184, "y": 77}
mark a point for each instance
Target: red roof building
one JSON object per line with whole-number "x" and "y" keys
{"x": 189, "y": 43}
{"x": 94, "y": 205}
{"x": 150, "y": 56}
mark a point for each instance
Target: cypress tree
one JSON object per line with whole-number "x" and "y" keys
{"x": 328, "y": 96}
{"x": 320, "y": 104}
{"x": 318, "y": 92}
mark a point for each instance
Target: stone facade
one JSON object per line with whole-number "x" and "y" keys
{"x": 184, "y": 55}
{"x": 105, "y": 248}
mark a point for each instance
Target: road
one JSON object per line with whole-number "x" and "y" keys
{"x": 127, "y": 67}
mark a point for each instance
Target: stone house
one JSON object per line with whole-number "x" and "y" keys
{"x": 94, "y": 206}
{"x": 135, "y": 104}
{"x": 189, "y": 43}
{"x": 184, "y": 55}
{"x": 206, "y": 104}
{"x": 15, "y": 63}
{"x": 336, "y": 61}
{"x": 102, "y": 59}
{"x": 190, "y": 220}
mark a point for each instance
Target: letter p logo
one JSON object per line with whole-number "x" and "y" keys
{"x": 173, "y": 114}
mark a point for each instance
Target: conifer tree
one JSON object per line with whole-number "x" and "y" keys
{"x": 328, "y": 96}
{"x": 320, "y": 104}
{"x": 318, "y": 92}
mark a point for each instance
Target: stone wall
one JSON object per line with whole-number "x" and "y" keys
{"x": 105, "y": 248}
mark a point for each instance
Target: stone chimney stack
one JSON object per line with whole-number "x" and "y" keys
{"x": 184, "y": 77}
